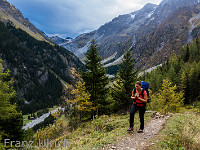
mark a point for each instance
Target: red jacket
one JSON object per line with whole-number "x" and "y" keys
{"x": 139, "y": 102}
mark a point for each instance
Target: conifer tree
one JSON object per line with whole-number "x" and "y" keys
{"x": 167, "y": 99}
{"x": 193, "y": 81}
{"x": 198, "y": 49}
{"x": 124, "y": 84}
{"x": 156, "y": 80}
{"x": 10, "y": 117}
{"x": 197, "y": 43}
{"x": 187, "y": 55}
{"x": 184, "y": 86}
{"x": 82, "y": 97}
{"x": 95, "y": 79}
{"x": 172, "y": 75}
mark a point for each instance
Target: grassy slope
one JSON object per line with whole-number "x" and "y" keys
{"x": 5, "y": 16}
{"x": 101, "y": 131}
{"x": 182, "y": 131}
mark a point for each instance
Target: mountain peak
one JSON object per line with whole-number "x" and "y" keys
{"x": 181, "y": 2}
{"x": 149, "y": 5}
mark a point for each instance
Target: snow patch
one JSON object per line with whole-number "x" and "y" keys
{"x": 161, "y": 46}
{"x": 132, "y": 16}
{"x": 151, "y": 13}
{"x": 164, "y": 2}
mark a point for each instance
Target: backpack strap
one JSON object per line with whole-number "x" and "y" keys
{"x": 142, "y": 93}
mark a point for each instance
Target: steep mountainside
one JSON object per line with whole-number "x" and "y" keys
{"x": 36, "y": 66}
{"x": 151, "y": 33}
{"x": 8, "y": 12}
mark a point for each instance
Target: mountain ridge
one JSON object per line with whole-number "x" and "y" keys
{"x": 133, "y": 31}
{"x": 9, "y": 13}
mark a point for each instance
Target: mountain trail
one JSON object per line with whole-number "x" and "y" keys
{"x": 140, "y": 141}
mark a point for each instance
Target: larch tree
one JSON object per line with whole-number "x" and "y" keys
{"x": 167, "y": 99}
{"x": 82, "y": 97}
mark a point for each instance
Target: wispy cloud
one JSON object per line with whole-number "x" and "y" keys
{"x": 72, "y": 17}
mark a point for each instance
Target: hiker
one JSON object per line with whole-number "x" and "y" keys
{"x": 139, "y": 96}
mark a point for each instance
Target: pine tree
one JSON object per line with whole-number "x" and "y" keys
{"x": 197, "y": 43}
{"x": 10, "y": 117}
{"x": 124, "y": 84}
{"x": 172, "y": 75}
{"x": 156, "y": 80}
{"x": 184, "y": 86}
{"x": 194, "y": 51}
{"x": 187, "y": 55}
{"x": 198, "y": 47}
{"x": 193, "y": 82}
{"x": 95, "y": 79}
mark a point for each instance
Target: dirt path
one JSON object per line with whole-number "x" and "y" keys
{"x": 139, "y": 141}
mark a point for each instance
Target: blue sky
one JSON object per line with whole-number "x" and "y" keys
{"x": 70, "y": 18}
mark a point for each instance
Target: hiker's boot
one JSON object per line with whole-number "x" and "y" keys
{"x": 130, "y": 129}
{"x": 140, "y": 131}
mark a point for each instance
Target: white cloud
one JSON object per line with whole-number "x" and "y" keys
{"x": 72, "y": 17}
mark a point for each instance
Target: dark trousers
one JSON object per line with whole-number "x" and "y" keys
{"x": 133, "y": 110}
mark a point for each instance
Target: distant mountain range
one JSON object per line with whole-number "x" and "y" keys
{"x": 59, "y": 40}
{"x": 152, "y": 33}
{"x": 39, "y": 67}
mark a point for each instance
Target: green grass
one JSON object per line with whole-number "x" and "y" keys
{"x": 99, "y": 132}
{"x": 64, "y": 120}
{"x": 181, "y": 132}
{"x": 25, "y": 119}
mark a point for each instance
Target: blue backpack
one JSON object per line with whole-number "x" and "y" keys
{"x": 145, "y": 86}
